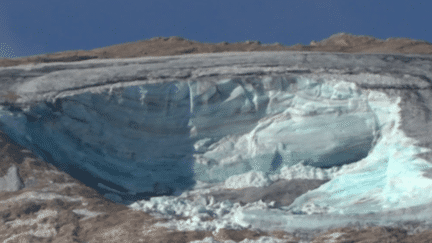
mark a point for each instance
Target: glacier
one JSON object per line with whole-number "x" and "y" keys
{"x": 164, "y": 137}
{"x": 164, "y": 141}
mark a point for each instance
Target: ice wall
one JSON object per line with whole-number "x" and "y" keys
{"x": 162, "y": 138}
{"x": 383, "y": 188}
{"x": 172, "y": 137}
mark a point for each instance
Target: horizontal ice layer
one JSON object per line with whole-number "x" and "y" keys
{"x": 162, "y": 138}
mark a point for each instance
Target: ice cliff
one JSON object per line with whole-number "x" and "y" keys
{"x": 167, "y": 136}
{"x": 232, "y": 126}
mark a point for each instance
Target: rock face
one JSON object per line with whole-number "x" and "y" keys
{"x": 144, "y": 127}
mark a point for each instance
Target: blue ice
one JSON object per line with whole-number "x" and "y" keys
{"x": 168, "y": 138}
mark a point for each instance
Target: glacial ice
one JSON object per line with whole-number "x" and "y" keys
{"x": 190, "y": 137}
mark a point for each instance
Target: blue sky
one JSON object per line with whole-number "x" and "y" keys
{"x": 29, "y": 27}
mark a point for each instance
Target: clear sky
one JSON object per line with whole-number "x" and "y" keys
{"x": 31, "y": 27}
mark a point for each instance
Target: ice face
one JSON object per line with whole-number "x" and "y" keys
{"x": 162, "y": 138}
{"x": 390, "y": 176}
{"x": 168, "y": 138}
